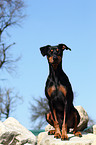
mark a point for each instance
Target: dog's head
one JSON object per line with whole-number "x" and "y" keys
{"x": 54, "y": 53}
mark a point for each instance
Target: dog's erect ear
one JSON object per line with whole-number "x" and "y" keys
{"x": 44, "y": 50}
{"x": 63, "y": 47}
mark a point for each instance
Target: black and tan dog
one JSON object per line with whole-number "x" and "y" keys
{"x": 58, "y": 90}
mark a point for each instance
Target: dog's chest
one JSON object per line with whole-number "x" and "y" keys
{"x": 59, "y": 88}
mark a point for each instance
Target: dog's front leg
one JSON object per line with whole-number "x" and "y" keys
{"x": 56, "y": 125}
{"x": 64, "y": 125}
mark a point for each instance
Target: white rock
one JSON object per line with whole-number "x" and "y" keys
{"x": 6, "y": 134}
{"x": 49, "y": 127}
{"x": 94, "y": 129}
{"x": 45, "y": 139}
{"x": 83, "y": 118}
{"x": 94, "y": 143}
{"x": 20, "y": 133}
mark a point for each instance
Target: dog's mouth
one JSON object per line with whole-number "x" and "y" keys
{"x": 54, "y": 61}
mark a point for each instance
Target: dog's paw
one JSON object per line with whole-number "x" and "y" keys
{"x": 57, "y": 135}
{"x": 64, "y": 137}
{"x": 78, "y": 134}
{"x": 51, "y": 132}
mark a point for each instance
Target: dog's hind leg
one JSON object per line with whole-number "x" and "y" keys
{"x": 50, "y": 120}
{"x": 56, "y": 132}
{"x": 76, "y": 133}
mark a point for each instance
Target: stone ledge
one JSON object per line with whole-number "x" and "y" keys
{"x": 13, "y": 133}
{"x": 94, "y": 129}
{"x": 86, "y": 139}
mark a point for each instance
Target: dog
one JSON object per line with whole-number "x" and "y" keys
{"x": 63, "y": 115}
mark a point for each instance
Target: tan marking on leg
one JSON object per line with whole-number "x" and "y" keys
{"x": 56, "y": 125}
{"x": 50, "y": 119}
{"x": 64, "y": 129}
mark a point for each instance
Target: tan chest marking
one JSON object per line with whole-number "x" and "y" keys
{"x": 62, "y": 89}
{"x": 50, "y": 90}
{"x": 59, "y": 88}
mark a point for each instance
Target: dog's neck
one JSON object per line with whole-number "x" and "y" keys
{"x": 55, "y": 73}
{"x": 55, "y": 69}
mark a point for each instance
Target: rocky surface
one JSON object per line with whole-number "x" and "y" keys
{"x": 86, "y": 139}
{"x": 13, "y": 133}
{"x": 94, "y": 129}
{"x": 83, "y": 118}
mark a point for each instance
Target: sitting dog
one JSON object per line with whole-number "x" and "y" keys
{"x": 58, "y": 91}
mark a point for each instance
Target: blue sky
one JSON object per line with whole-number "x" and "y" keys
{"x": 52, "y": 22}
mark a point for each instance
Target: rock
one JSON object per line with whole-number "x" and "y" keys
{"x": 86, "y": 139}
{"x": 13, "y": 133}
{"x": 6, "y": 135}
{"x": 49, "y": 127}
{"x": 94, "y": 129}
{"x": 94, "y": 143}
{"x": 83, "y": 120}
